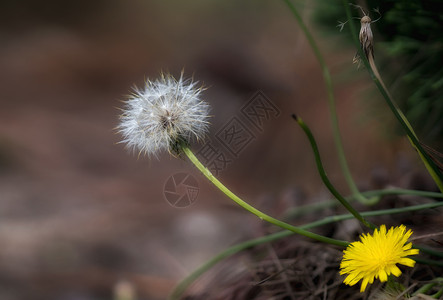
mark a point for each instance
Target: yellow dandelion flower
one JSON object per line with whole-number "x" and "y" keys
{"x": 376, "y": 256}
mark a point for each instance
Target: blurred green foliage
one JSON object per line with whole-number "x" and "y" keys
{"x": 408, "y": 42}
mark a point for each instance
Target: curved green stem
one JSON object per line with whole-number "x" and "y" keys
{"x": 325, "y": 178}
{"x": 332, "y": 108}
{"x": 185, "y": 283}
{"x": 427, "y": 287}
{"x": 433, "y": 170}
{"x": 205, "y": 171}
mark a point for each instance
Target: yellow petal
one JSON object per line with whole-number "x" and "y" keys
{"x": 395, "y": 271}
{"x": 363, "y": 285}
{"x": 382, "y": 275}
{"x": 407, "y": 262}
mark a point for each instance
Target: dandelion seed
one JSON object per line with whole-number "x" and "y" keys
{"x": 341, "y": 25}
{"x": 376, "y": 256}
{"x": 163, "y": 114}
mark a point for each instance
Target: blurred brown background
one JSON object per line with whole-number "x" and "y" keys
{"x": 80, "y": 217}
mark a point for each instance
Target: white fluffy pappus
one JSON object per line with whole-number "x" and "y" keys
{"x": 162, "y": 114}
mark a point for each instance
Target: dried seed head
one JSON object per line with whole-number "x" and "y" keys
{"x": 366, "y": 37}
{"x": 366, "y": 40}
{"x": 162, "y": 114}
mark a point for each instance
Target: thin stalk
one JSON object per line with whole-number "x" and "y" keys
{"x": 185, "y": 283}
{"x": 325, "y": 178}
{"x": 205, "y": 171}
{"x": 432, "y": 252}
{"x": 396, "y": 191}
{"x": 381, "y": 212}
{"x": 309, "y": 208}
{"x": 433, "y": 170}
{"x": 332, "y": 107}
{"x": 427, "y": 287}
{"x": 425, "y": 261}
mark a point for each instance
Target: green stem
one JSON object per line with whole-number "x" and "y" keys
{"x": 205, "y": 171}
{"x": 325, "y": 178}
{"x": 332, "y": 108}
{"x": 432, "y": 252}
{"x": 427, "y": 287}
{"x": 395, "y": 191}
{"x": 309, "y": 208}
{"x": 380, "y": 212}
{"x": 431, "y": 171}
{"x": 425, "y": 261}
{"x": 185, "y": 283}
{"x": 372, "y": 69}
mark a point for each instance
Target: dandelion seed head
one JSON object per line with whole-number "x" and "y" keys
{"x": 377, "y": 256}
{"x": 163, "y": 113}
